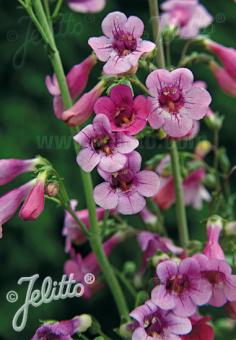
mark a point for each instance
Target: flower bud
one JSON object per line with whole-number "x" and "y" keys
{"x": 213, "y": 249}
{"x": 224, "y": 160}
{"x": 202, "y": 149}
{"x": 11, "y": 168}
{"x": 84, "y": 323}
{"x": 230, "y": 228}
{"x": 52, "y": 189}
{"x": 224, "y": 79}
{"x": 214, "y": 121}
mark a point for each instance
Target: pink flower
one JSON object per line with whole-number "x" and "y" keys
{"x": 80, "y": 112}
{"x": 201, "y": 330}
{"x": 181, "y": 288}
{"x": 125, "y": 189}
{"x": 87, "y": 6}
{"x": 102, "y": 147}
{"x": 218, "y": 274}
{"x": 226, "y": 55}
{"x": 34, "y": 203}
{"x": 148, "y": 217}
{"x": 188, "y": 16}
{"x": 63, "y": 330}
{"x": 77, "y": 79}
{"x": 71, "y": 229}
{"x": 177, "y": 103}
{"x": 11, "y": 168}
{"x": 79, "y": 266}
{"x": 213, "y": 249}
{"x": 10, "y": 202}
{"x": 126, "y": 113}
{"x": 224, "y": 79}
{"x": 121, "y": 45}
{"x": 151, "y": 323}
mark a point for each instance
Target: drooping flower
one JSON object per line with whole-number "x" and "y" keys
{"x": 71, "y": 230}
{"x": 201, "y": 330}
{"x": 189, "y": 17}
{"x": 77, "y": 79}
{"x": 213, "y": 249}
{"x": 177, "y": 103}
{"x": 224, "y": 79}
{"x": 182, "y": 287}
{"x": 121, "y": 45}
{"x": 34, "y": 204}
{"x": 227, "y": 56}
{"x": 10, "y": 202}
{"x": 151, "y": 323}
{"x": 79, "y": 266}
{"x": 87, "y": 6}
{"x": 63, "y": 330}
{"x": 126, "y": 113}
{"x": 80, "y": 112}
{"x": 219, "y": 275}
{"x": 125, "y": 189}
{"x": 11, "y": 168}
{"x": 102, "y": 147}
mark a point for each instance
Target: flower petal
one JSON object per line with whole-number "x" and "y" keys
{"x": 130, "y": 203}
{"x": 113, "y": 162}
{"x": 148, "y": 183}
{"x": 162, "y": 298}
{"x": 88, "y": 159}
{"x": 113, "y": 22}
{"x": 105, "y": 196}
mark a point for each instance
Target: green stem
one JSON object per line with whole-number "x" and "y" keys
{"x": 155, "y": 16}
{"x": 95, "y": 237}
{"x": 180, "y": 206}
{"x": 138, "y": 83}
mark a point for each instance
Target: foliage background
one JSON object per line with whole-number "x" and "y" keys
{"x": 26, "y": 117}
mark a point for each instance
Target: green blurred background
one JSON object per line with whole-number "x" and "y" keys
{"x": 26, "y": 118}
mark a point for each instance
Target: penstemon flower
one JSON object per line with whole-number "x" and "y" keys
{"x": 189, "y": 17}
{"x": 201, "y": 329}
{"x": 11, "y": 168}
{"x": 152, "y": 322}
{"x": 126, "y": 113}
{"x": 86, "y": 6}
{"x": 224, "y": 79}
{"x": 182, "y": 287}
{"x": 124, "y": 190}
{"x": 213, "y": 249}
{"x": 102, "y": 147}
{"x": 121, "y": 46}
{"x": 177, "y": 103}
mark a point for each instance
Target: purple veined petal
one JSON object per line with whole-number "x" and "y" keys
{"x": 58, "y": 106}
{"x": 102, "y": 47}
{"x": 84, "y": 136}
{"x": 178, "y": 325}
{"x": 148, "y": 183}
{"x": 101, "y": 124}
{"x": 193, "y": 108}
{"x": 11, "y": 168}
{"x": 134, "y": 161}
{"x": 182, "y": 77}
{"x": 218, "y": 297}
{"x": 88, "y": 159}
{"x": 189, "y": 266}
{"x": 126, "y": 144}
{"x": 134, "y": 26}
{"x": 166, "y": 270}
{"x": 147, "y": 46}
{"x": 130, "y": 203}
{"x": 230, "y": 288}
{"x": 142, "y": 107}
{"x": 219, "y": 265}
{"x": 140, "y": 333}
{"x": 105, "y": 106}
{"x": 87, "y": 6}
{"x": 113, "y": 162}
{"x": 122, "y": 95}
{"x": 162, "y": 298}
{"x": 156, "y": 120}
{"x": 104, "y": 174}
{"x": 201, "y": 291}
{"x": 201, "y": 17}
{"x": 177, "y": 127}
{"x": 184, "y": 306}
{"x": 105, "y": 196}
{"x": 156, "y": 80}
{"x": 113, "y": 22}
{"x": 140, "y": 312}
{"x": 117, "y": 65}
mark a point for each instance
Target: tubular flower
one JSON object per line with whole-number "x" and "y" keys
{"x": 224, "y": 79}
{"x": 11, "y": 168}
{"x": 213, "y": 249}
{"x": 87, "y": 6}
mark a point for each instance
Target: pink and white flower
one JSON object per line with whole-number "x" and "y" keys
{"x": 11, "y": 168}
{"x": 124, "y": 190}
{"x": 213, "y": 249}
{"x": 152, "y": 322}
{"x": 182, "y": 287}
{"x": 177, "y": 103}
{"x": 121, "y": 46}
{"x": 102, "y": 147}
{"x": 188, "y": 16}
{"x": 87, "y": 6}
{"x": 126, "y": 113}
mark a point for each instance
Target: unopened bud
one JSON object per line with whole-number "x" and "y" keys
{"x": 202, "y": 148}
{"x": 52, "y": 189}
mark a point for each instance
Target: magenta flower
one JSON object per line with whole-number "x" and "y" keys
{"x": 218, "y": 274}
{"x": 213, "y": 249}
{"x": 224, "y": 79}
{"x": 102, "y": 147}
{"x": 126, "y": 113}
{"x": 227, "y": 56}
{"x": 121, "y": 45}
{"x": 63, "y": 330}
{"x": 77, "y": 79}
{"x": 80, "y": 112}
{"x": 177, "y": 103}
{"x": 125, "y": 189}
{"x": 182, "y": 287}
{"x": 11, "y": 168}
{"x": 188, "y": 16}
{"x": 152, "y": 323}
{"x": 87, "y": 6}
{"x": 10, "y": 202}
{"x": 79, "y": 266}
{"x": 34, "y": 204}
{"x": 201, "y": 330}
{"x": 71, "y": 230}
